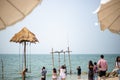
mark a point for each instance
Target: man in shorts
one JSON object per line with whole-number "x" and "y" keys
{"x": 103, "y": 66}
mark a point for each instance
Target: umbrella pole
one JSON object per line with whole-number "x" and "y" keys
{"x": 24, "y": 70}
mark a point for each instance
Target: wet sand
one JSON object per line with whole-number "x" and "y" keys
{"x": 84, "y": 77}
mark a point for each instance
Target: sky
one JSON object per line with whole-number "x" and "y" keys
{"x": 59, "y": 23}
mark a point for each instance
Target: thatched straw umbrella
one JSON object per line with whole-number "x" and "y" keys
{"x": 22, "y": 37}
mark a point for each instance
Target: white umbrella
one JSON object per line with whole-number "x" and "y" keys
{"x": 109, "y": 16}
{"x": 12, "y": 11}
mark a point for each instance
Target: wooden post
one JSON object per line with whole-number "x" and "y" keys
{"x": 59, "y": 58}
{"x": 24, "y": 70}
{"x": 64, "y": 58}
{"x": 69, "y": 60}
{"x": 52, "y": 58}
{"x": 2, "y": 70}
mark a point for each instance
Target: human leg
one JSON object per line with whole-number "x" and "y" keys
{"x": 79, "y": 76}
{"x": 118, "y": 74}
{"x": 104, "y": 75}
{"x": 95, "y": 76}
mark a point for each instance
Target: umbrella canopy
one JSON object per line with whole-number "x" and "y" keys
{"x": 12, "y": 11}
{"x": 109, "y": 16}
{"x": 24, "y": 36}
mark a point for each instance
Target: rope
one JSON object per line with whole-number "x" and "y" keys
{"x": 30, "y": 57}
{"x": 2, "y": 69}
{"x": 27, "y": 56}
{"x": 22, "y": 57}
{"x": 19, "y": 56}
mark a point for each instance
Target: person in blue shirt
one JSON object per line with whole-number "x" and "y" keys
{"x": 43, "y": 73}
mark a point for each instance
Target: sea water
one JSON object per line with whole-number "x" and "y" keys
{"x": 13, "y": 64}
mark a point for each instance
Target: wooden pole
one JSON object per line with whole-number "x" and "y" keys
{"x": 59, "y": 58}
{"x": 64, "y": 59}
{"x": 24, "y": 70}
{"x": 52, "y": 58}
{"x": 69, "y": 60}
{"x": 2, "y": 70}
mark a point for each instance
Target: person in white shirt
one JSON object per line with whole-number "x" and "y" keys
{"x": 62, "y": 72}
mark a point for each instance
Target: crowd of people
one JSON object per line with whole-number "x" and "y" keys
{"x": 62, "y": 73}
{"x": 94, "y": 70}
{"x": 99, "y": 68}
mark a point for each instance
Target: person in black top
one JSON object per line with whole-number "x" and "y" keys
{"x": 90, "y": 72}
{"x": 79, "y": 72}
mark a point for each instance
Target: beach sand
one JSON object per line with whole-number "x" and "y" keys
{"x": 74, "y": 77}
{"x": 115, "y": 78}
{"x": 84, "y": 77}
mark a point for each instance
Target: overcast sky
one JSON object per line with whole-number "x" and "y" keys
{"x": 57, "y": 23}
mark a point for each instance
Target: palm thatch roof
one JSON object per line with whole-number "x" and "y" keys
{"x": 24, "y": 36}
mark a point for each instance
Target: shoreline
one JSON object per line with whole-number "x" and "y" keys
{"x": 85, "y": 77}
{"x": 69, "y": 77}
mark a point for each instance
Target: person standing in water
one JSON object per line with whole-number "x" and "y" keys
{"x": 90, "y": 72}
{"x": 103, "y": 67}
{"x": 54, "y": 74}
{"x": 95, "y": 70}
{"x": 43, "y": 73}
{"x": 79, "y": 72}
{"x": 117, "y": 66}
